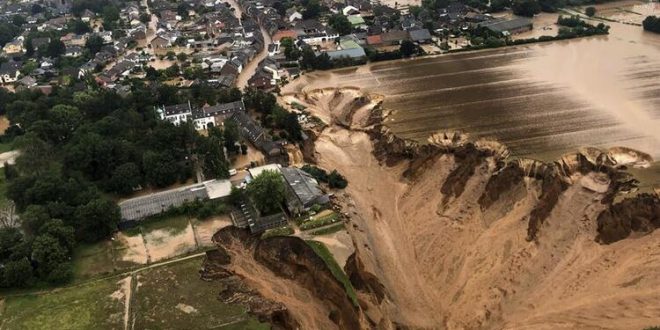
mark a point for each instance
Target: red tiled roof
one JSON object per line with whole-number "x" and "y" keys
{"x": 279, "y": 35}
{"x": 374, "y": 40}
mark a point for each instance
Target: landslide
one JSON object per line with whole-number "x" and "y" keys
{"x": 452, "y": 234}
{"x": 281, "y": 280}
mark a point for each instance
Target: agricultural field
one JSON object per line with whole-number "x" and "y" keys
{"x": 170, "y": 296}
{"x": 97, "y": 305}
{"x": 174, "y": 297}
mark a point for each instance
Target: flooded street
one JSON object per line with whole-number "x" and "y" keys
{"x": 541, "y": 100}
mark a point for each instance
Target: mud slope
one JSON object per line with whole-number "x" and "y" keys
{"x": 281, "y": 280}
{"x": 452, "y": 235}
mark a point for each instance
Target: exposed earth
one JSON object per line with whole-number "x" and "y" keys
{"x": 451, "y": 234}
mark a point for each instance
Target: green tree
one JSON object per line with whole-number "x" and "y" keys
{"x": 211, "y": 152}
{"x": 55, "y": 48}
{"x": 48, "y": 254}
{"x": 652, "y": 24}
{"x": 17, "y": 274}
{"x": 527, "y": 8}
{"x": 407, "y": 48}
{"x": 231, "y": 136}
{"x": 590, "y": 11}
{"x": 312, "y": 9}
{"x": 80, "y": 27}
{"x": 340, "y": 24}
{"x": 34, "y": 217}
{"x": 97, "y": 219}
{"x": 499, "y": 5}
{"x": 63, "y": 233}
{"x": 267, "y": 192}
{"x": 336, "y": 180}
{"x": 160, "y": 169}
{"x": 94, "y": 44}
{"x": 125, "y": 178}
{"x": 291, "y": 51}
{"x": 182, "y": 57}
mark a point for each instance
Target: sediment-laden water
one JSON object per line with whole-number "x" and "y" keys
{"x": 540, "y": 100}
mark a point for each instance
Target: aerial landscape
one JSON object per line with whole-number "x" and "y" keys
{"x": 324, "y": 164}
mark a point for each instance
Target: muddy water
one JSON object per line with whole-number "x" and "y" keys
{"x": 541, "y": 100}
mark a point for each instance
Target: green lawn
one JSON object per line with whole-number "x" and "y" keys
{"x": 84, "y": 307}
{"x": 325, "y": 254}
{"x": 91, "y": 260}
{"x": 7, "y": 146}
{"x": 174, "y": 297}
{"x": 174, "y": 224}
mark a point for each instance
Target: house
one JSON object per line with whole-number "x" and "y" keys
{"x": 160, "y": 42}
{"x": 247, "y": 216}
{"x": 73, "y": 51}
{"x": 37, "y": 43}
{"x": 350, "y": 10}
{"x": 9, "y": 72}
{"x": 138, "y": 208}
{"x": 14, "y": 47}
{"x": 293, "y": 15}
{"x": 175, "y": 114}
{"x": 302, "y": 190}
{"x": 375, "y": 40}
{"x": 312, "y": 32}
{"x": 87, "y": 15}
{"x": 509, "y": 27}
{"x": 279, "y": 35}
{"x": 352, "y": 53}
{"x": 421, "y": 36}
{"x": 394, "y": 37}
{"x": 28, "y": 82}
{"x": 357, "y": 22}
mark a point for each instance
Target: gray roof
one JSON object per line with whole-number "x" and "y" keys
{"x": 419, "y": 35}
{"x": 224, "y": 108}
{"x": 352, "y": 53}
{"x": 303, "y": 185}
{"x": 145, "y": 206}
{"x": 177, "y": 109}
{"x": 503, "y": 26}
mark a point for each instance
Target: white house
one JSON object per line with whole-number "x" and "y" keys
{"x": 9, "y": 72}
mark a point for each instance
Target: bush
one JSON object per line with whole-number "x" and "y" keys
{"x": 590, "y": 11}
{"x": 320, "y": 222}
{"x": 336, "y": 180}
{"x": 652, "y": 23}
{"x": 281, "y": 231}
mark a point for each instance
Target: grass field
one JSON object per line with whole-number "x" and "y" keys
{"x": 91, "y": 260}
{"x": 325, "y": 254}
{"x": 174, "y": 297}
{"x": 166, "y": 297}
{"x": 7, "y": 146}
{"x": 89, "y": 306}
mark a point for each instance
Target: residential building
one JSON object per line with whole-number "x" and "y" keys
{"x": 302, "y": 189}
{"x": 9, "y": 72}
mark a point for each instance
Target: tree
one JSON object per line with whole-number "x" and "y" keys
{"x": 55, "y": 48}
{"x": 18, "y": 20}
{"x": 17, "y": 273}
{"x": 340, "y": 24}
{"x": 499, "y": 5}
{"x": 145, "y": 18}
{"x": 231, "y": 135}
{"x": 97, "y": 219}
{"x": 336, "y": 180}
{"x": 590, "y": 11}
{"x": 267, "y": 192}
{"x": 312, "y": 9}
{"x": 94, "y": 44}
{"x": 212, "y": 154}
{"x": 182, "y": 57}
{"x": 652, "y": 23}
{"x": 125, "y": 178}
{"x": 291, "y": 51}
{"x": 33, "y": 218}
{"x": 63, "y": 233}
{"x": 48, "y": 254}
{"x": 80, "y": 27}
{"x": 407, "y": 48}
{"x": 160, "y": 169}
{"x": 527, "y": 8}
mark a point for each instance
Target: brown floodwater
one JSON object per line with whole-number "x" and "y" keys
{"x": 541, "y": 100}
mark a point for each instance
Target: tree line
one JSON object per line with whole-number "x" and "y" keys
{"x": 80, "y": 149}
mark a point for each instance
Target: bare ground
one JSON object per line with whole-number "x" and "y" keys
{"x": 455, "y": 266}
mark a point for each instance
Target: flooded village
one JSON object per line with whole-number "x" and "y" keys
{"x": 319, "y": 164}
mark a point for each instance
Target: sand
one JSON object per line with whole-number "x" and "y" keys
{"x": 135, "y": 251}
{"x": 164, "y": 244}
{"x": 205, "y": 229}
{"x": 455, "y": 266}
